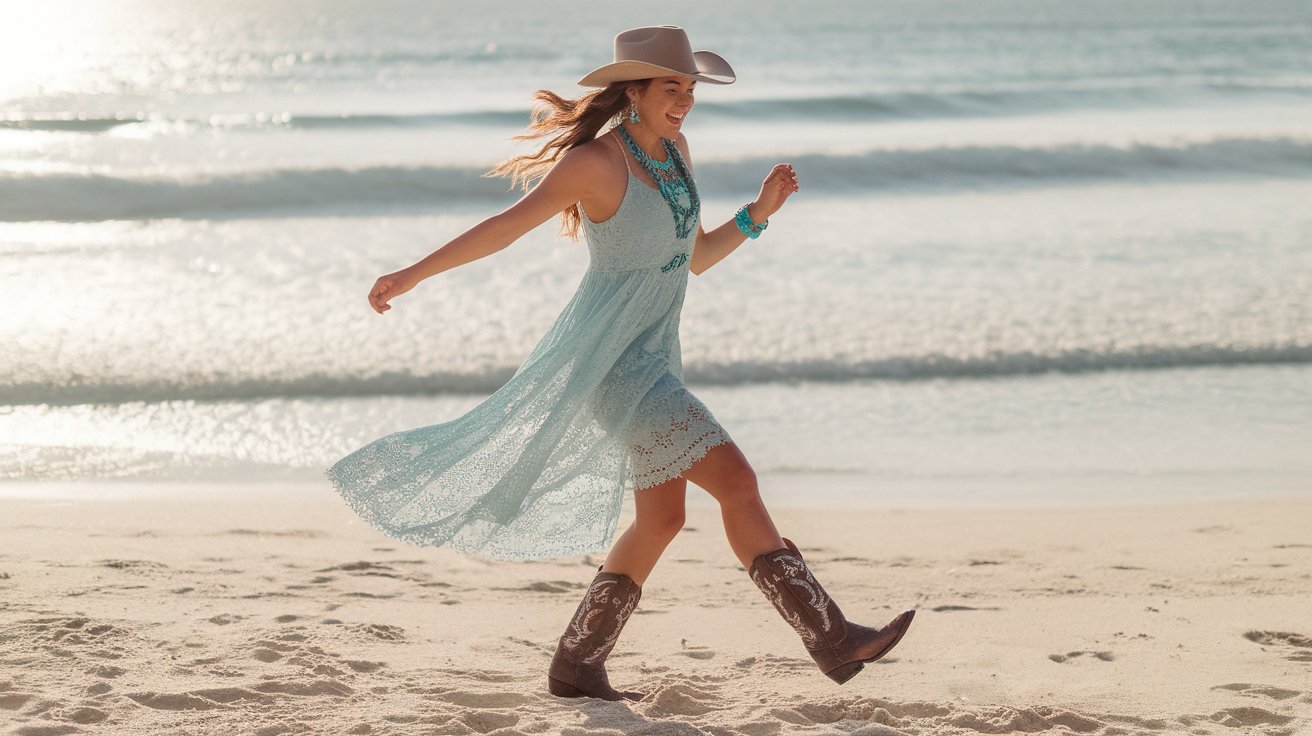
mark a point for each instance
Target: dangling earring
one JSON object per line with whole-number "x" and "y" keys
{"x": 633, "y": 112}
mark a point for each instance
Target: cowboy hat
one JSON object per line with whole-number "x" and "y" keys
{"x": 658, "y": 51}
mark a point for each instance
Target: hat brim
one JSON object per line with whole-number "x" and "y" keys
{"x": 711, "y": 68}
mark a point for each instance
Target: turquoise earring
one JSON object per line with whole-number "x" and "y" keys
{"x": 633, "y": 112}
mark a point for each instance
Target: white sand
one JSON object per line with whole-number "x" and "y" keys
{"x": 278, "y": 611}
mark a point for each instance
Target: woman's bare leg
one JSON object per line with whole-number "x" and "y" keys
{"x": 725, "y": 474}
{"x": 660, "y": 516}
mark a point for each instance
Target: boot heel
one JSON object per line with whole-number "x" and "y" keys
{"x": 845, "y": 672}
{"x": 563, "y": 689}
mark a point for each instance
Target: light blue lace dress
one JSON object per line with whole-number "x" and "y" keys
{"x": 596, "y": 412}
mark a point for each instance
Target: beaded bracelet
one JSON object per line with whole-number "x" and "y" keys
{"x": 744, "y": 221}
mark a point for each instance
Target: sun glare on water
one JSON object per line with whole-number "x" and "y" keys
{"x": 50, "y": 47}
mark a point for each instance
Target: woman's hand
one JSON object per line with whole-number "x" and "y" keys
{"x": 781, "y": 182}
{"x": 389, "y": 287}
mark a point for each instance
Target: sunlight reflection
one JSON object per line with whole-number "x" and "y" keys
{"x": 48, "y": 48}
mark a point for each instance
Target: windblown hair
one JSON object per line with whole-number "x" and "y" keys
{"x": 574, "y": 123}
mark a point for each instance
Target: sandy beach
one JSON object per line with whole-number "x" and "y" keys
{"x": 1028, "y": 351}
{"x": 270, "y": 609}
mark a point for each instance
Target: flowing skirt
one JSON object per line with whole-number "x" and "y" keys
{"x": 541, "y": 467}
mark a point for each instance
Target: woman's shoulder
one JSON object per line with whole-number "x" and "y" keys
{"x": 599, "y": 159}
{"x": 584, "y": 160}
{"x": 593, "y": 156}
{"x": 590, "y": 168}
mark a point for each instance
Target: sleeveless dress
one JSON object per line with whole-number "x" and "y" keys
{"x": 597, "y": 412}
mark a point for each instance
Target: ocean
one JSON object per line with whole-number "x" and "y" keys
{"x": 1044, "y": 253}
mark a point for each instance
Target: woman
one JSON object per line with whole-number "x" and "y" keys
{"x": 598, "y": 409}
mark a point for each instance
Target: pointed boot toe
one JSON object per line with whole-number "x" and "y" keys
{"x": 864, "y": 644}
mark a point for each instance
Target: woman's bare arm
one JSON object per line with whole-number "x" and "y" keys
{"x": 711, "y": 248}
{"x": 568, "y": 181}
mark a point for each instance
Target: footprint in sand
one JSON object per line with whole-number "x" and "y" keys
{"x": 226, "y": 697}
{"x": 300, "y": 533}
{"x": 13, "y": 701}
{"x": 176, "y": 701}
{"x": 681, "y": 699}
{"x": 301, "y": 646}
{"x": 71, "y": 637}
{"x": 106, "y": 671}
{"x": 486, "y": 721}
{"x": 696, "y": 652}
{"x": 85, "y": 715}
{"x": 1258, "y": 691}
{"x": 364, "y": 567}
{"x": 546, "y": 586}
{"x": 1244, "y": 717}
{"x": 484, "y": 700}
{"x": 379, "y": 631}
{"x": 772, "y": 661}
{"x": 133, "y": 565}
{"x": 266, "y": 655}
{"x": 877, "y": 729}
{"x": 762, "y": 728}
{"x": 1104, "y": 656}
{"x": 1296, "y": 647}
{"x": 76, "y": 631}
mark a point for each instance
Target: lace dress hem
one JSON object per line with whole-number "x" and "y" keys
{"x": 672, "y": 430}
{"x": 684, "y": 463}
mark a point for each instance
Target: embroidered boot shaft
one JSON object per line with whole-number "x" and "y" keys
{"x": 840, "y": 647}
{"x": 578, "y": 667}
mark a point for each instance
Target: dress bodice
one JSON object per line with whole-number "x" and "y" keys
{"x": 639, "y": 235}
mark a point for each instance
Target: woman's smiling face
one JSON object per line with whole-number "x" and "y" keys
{"x": 664, "y": 105}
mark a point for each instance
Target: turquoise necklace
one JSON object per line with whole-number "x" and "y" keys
{"x": 671, "y": 175}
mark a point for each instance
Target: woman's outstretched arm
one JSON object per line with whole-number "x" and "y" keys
{"x": 711, "y": 248}
{"x": 567, "y": 182}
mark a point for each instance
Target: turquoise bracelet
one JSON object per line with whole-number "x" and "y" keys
{"x": 744, "y": 221}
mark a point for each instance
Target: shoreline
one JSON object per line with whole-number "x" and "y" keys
{"x": 286, "y": 613}
{"x": 783, "y": 491}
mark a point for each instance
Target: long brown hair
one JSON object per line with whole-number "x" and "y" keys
{"x": 574, "y": 122}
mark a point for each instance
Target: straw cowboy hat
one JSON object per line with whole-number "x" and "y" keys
{"x": 659, "y": 51}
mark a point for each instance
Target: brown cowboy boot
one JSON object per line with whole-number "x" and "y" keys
{"x": 839, "y": 646}
{"x": 578, "y": 667}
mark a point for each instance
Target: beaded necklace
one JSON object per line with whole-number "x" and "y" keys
{"x": 671, "y": 176}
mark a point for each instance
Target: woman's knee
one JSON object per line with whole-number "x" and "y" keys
{"x": 665, "y": 525}
{"x": 727, "y": 476}
{"x": 737, "y": 489}
{"x": 661, "y": 509}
